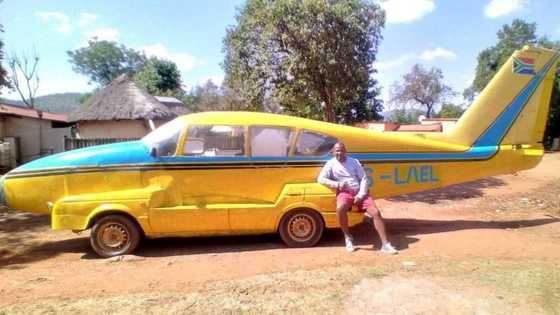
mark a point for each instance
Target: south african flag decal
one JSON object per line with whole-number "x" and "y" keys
{"x": 523, "y": 65}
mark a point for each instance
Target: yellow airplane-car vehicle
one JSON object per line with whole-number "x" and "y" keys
{"x": 222, "y": 173}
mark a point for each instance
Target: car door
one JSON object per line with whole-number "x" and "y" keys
{"x": 192, "y": 198}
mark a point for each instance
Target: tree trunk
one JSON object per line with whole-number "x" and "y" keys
{"x": 329, "y": 112}
{"x": 429, "y": 112}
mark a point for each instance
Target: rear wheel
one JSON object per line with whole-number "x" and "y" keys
{"x": 114, "y": 235}
{"x": 301, "y": 228}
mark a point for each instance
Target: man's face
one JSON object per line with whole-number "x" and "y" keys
{"x": 339, "y": 152}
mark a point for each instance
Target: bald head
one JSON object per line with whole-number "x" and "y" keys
{"x": 339, "y": 151}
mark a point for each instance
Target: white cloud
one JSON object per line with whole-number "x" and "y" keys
{"x": 184, "y": 61}
{"x": 427, "y": 55}
{"x": 439, "y": 52}
{"x": 103, "y": 33}
{"x": 86, "y": 19}
{"x": 58, "y": 17}
{"x": 399, "y": 61}
{"x": 406, "y": 11}
{"x": 498, "y": 8}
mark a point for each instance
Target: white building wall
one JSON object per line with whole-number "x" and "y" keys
{"x": 36, "y": 136}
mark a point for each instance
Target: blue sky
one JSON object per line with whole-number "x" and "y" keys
{"x": 446, "y": 34}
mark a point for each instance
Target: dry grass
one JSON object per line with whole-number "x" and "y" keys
{"x": 516, "y": 287}
{"x": 304, "y": 292}
{"x": 546, "y": 199}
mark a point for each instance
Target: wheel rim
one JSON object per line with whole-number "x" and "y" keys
{"x": 301, "y": 227}
{"x": 113, "y": 237}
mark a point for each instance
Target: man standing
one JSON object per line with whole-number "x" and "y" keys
{"x": 348, "y": 177}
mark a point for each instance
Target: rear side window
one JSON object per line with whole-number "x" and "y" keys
{"x": 314, "y": 144}
{"x": 215, "y": 140}
{"x": 270, "y": 141}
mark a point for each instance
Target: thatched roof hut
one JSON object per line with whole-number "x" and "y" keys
{"x": 122, "y": 100}
{"x": 120, "y": 110}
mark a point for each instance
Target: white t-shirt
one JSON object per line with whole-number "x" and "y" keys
{"x": 350, "y": 171}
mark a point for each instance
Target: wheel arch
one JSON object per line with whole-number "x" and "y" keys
{"x": 101, "y": 212}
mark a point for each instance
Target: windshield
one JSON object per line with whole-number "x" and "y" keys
{"x": 164, "y": 139}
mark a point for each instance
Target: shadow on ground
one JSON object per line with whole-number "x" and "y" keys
{"x": 455, "y": 192}
{"x": 403, "y": 232}
{"x": 22, "y": 239}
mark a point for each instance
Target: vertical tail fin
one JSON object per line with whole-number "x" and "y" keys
{"x": 513, "y": 108}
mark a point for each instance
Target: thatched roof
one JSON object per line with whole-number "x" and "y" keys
{"x": 121, "y": 100}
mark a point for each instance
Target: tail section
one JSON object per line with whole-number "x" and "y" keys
{"x": 513, "y": 108}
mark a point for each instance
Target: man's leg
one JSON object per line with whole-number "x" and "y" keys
{"x": 374, "y": 212}
{"x": 342, "y": 207}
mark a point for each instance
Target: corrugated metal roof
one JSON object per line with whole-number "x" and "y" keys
{"x": 31, "y": 113}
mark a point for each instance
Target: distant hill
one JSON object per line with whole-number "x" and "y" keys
{"x": 54, "y": 103}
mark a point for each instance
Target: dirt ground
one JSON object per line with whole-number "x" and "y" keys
{"x": 489, "y": 247}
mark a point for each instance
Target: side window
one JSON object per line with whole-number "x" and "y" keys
{"x": 314, "y": 144}
{"x": 270, "y": 141}
{"x": 215, "y": 140}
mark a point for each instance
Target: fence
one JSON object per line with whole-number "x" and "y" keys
{"x": 71, "y": 143}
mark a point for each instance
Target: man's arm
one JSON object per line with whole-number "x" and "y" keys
{"x": 324, "y": 177}
{"x": 363, "y": 181}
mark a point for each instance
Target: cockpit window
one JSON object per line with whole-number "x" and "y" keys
{"x": 215, "y": 140}
{"x": 164, "y": 139}
{"x": 314, "y": 144}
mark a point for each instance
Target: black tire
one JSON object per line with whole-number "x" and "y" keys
{"x": 301, "y": 228}
{"x": 114, "y": 235}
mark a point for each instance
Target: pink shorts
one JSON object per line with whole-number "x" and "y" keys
{"x": 346, "y": 197}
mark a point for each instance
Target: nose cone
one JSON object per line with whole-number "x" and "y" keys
{"x": 109, "y": 154}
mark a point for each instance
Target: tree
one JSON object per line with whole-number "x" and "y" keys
{"x": 510, "y": 38}
{"x": 421, "y": 87}
{"x": 451, "y": 111}
{"x": 24, "y": 76}
{"x": 4, "y": 81}
{"x": 103, "y": 61}
{"x": 313, "y": 57}
{"x": 489, "y": 61}
{"x": 402, "y": 116}
{"x": 159, "y": 77}
{"x": 208, "y": 97}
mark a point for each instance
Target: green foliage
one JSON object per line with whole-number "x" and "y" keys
{"x": 405, "y": 116}
{"x": 85, "y": 96}
{"x": 421, "y": 87}
{"x": 553, "y": 124}
{"x": 212, "y": 97}
{"x": 159, "y": 77}
{"x": 103, "y": 61}
{"x": 510, "y": 38}
{"x": 312, "y": 57}
{"x": 4, "y": 81}
{"x": 451, "y": 111}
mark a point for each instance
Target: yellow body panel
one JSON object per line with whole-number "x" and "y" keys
{"x": 234, "y": 198}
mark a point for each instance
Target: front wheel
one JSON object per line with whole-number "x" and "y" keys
{"x": 301, "y": 228}
{"x": 114, "y": 235}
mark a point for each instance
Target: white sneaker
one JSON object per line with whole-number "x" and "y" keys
{"x": 349, "y": 243}
{"x": 387, "y": 248}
